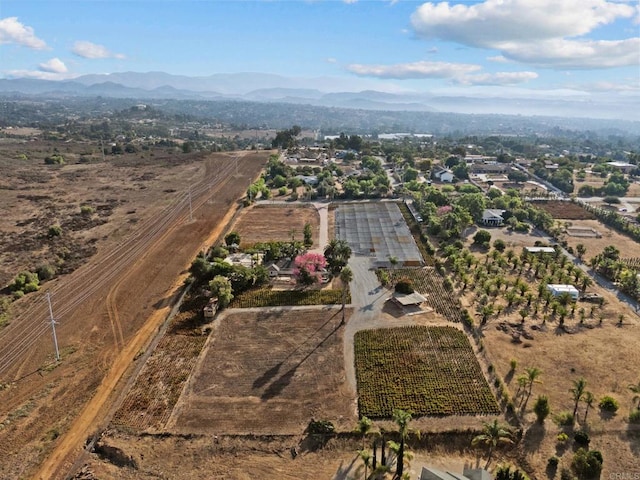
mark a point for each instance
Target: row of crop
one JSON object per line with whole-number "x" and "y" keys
{"x": 428, "y": 370}
{"x": 266, "y": 297}
{"x": 633, "y": 263}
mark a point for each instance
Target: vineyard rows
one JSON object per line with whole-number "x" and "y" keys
{"x": 428, "y": 282}
{"x": 428, "y": 370}
{"x": 265, "y": 297}
{"x": 151, "y": 400}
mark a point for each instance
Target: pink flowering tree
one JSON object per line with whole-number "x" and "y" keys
{"x": 308, "y": 268}
{"x": 443, "y": 210}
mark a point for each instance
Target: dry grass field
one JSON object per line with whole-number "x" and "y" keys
{"x": 268, "y": 373}
{"x": 112, "y": 304}
{"x": 266, "y": 223}
{"x": 608, "y": 237}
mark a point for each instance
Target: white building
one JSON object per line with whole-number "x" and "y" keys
{"x": 493, "y": 217}
{"x": 558, "y": 289}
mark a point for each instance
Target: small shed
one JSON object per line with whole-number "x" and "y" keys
{"x": 558, "y": 289}
{"x": 408, "y": 299}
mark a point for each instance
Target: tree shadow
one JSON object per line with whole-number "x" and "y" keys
{"x": 267, "y": 375}
{"x": 509, "y": 376}
{"x": 533, "y": 437}
{"x": 343, "y": 471}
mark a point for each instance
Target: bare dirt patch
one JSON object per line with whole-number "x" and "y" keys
{"x": 565, "y": 210}
{"x": 595, "y": 245}
{"x": 268, "y": 373}
{"x": 268, "y": 223}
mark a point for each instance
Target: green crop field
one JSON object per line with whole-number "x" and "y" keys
{"x": 428, "y": 370}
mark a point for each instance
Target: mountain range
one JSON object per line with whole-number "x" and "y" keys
{"x": 261, "y": 87}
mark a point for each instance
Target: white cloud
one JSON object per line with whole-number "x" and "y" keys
{"x": 55, "y": 65}
{"x": 531, "y": 30}
{"x": 498, "y": 59}
{"x": 331, "y": 60}
{"x": 350, "y": 1}
{"x": 12, "y": 31}
{"x": 93, "y": 50}
{"x": 500, "y": 78}
{"x": 39, "y": 74}
{"x": 414, "y": 70}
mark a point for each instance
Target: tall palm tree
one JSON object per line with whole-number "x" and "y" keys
{"x": 635, "y": 388}
{"x": 346, "y": 275}
{"x": 365, "y": 456}
{"x": 493, "y": 435}
{"x": 337, "y": 254}
{"x": 577, "y": 392}
{"x": 402, "y": 419}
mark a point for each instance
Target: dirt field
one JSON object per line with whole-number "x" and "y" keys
{"x": 109, "y": 308}
{"x": 565, "y": 210}
{"x": 266, "y": 223}
{"x": 595, "y": 246}
{"x": 268, "y": 373}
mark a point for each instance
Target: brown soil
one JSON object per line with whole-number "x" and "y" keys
{"x": 565, "y": 210}
{"x": 268, "y": 373}
{"x": 109, "y": 308}
{"x": 268, "y": 223}
{"x": 609, "y": 236}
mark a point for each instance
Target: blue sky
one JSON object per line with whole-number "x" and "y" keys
{"x": 513, "y": 47}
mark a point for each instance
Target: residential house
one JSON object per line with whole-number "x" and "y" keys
{"x": 624, "y": 167}
{"x": 489, "y": 167}
{"x": 493, "y": 217}
{"x": 444, "y": 175}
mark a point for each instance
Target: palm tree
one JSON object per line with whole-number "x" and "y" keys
{"x": 365, "y": 456}
{"x": 577, "y": 392}
{"x": 493, "y": 434}
{"x": 346, "y": 275}
{"x": 532, "y": 377}
{"x": 402, "y": 419}
{"x": 393, "y": 261}
{"x": 588, "y": 399}
{"x": 635, "y": 388}
{"x": 337, "y": 254}
{"x": 364, "y": 425}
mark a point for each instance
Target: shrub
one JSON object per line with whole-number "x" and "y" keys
{"x": 25, "y": 282}
{"x": 566, "y": 475}
{"x": 587, "y": 463}
{"x": 282, "y": 191}
{"x": 87, "y": 210}
{"x": 46, "y": 272}
{"x": 581, "y": 438}
{"x": 499, "y": 245}
{"x": 541, "y": 408}
{"x": 54, "y": 160}
{"x": 562, "y": 437}
{"x": 482, "y": 237}
{"x": 54, "y": 231}
{"x": 553, "y": 461}
{"x": 634, "y": 417}
{"x": 404, "y": 285}
{"x": 320, "y": 427}
{"x": 383, "y": 275}
{"x": 564, "y": 419}
{"x": 608, "y": 404}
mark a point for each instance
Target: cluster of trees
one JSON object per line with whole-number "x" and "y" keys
{"x": 616, "y": 185}
{"x": 615, "y": 221}
{"x": 562, "y": 177}
{"x": 286, "y": 138}
{"x": 609, "y": 265}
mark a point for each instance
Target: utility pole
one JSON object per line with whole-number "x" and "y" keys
{"x": 102, "y": 149}
{"x": 53, "y": 327}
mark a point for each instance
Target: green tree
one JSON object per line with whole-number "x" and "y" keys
{"x": 308, "y": 235}
{"x": 482, "y": 237}
{"x": 232, "y": 238}
{"x": 493, "y": 435}
{"x": 346, "y": 275}
{"x": 364, "y": 426}
{"x": 588, "y": 399}
{"x": 337, "y": 254}
{"x": 221, "y": 288}
{"x": 532, "y": 377}
{"x": 541, "y": 408}
{"x": 577, "y": 393}
{"x": 581, "y": 250}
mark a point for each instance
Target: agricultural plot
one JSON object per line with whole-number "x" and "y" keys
{"x": 268, "y": 373}
{"x": 265, "y": 297}
{"x": 428, "y": 370}
{"x": 429, "y": 283}
{"x": 270, "y": 223}
{"x": 149, "y": 403}
{"x": 565, "y": 210}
